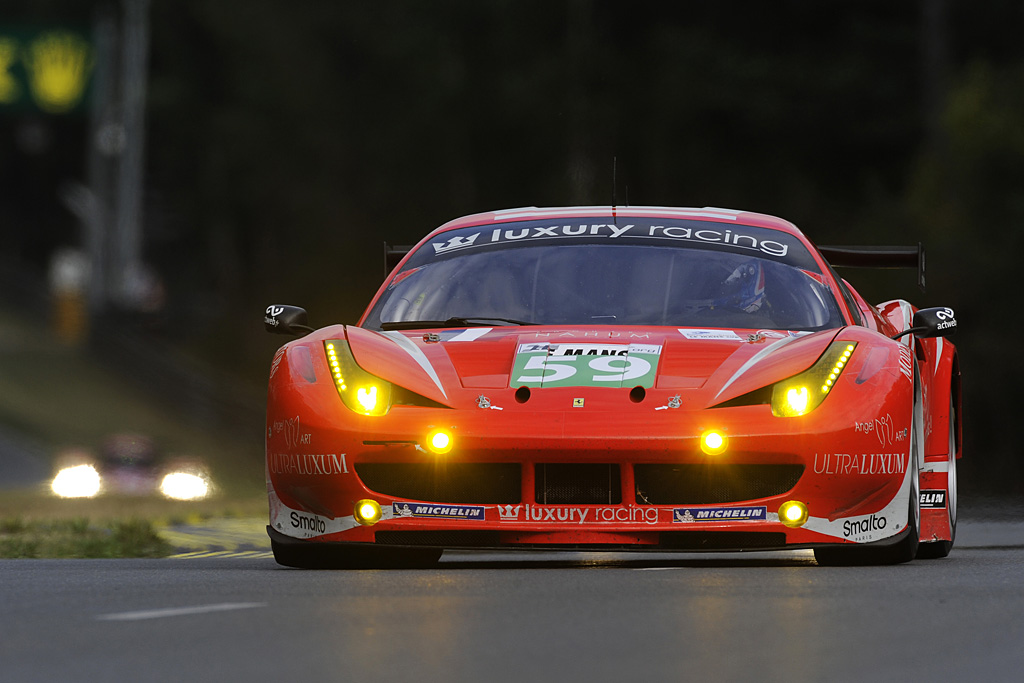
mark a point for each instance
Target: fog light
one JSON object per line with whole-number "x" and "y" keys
{"x": 713, "y": 442}
{"x": 440, "y": 441}
{"x": 367, "y": 512}
{"x": 793, "y": 514}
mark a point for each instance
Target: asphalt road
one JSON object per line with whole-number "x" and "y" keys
{"x": 514, "y": 617}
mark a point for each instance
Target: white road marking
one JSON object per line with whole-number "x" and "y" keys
{"x": 178, "y": 611}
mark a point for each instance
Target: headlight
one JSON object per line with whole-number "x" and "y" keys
{"x": 362, "y": 392}
{"x": 803, "y": 393}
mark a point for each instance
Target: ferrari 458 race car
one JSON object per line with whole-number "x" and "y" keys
{"x": 601, "y": 378}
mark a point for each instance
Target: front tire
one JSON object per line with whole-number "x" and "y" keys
{"x": 934, "y": 550}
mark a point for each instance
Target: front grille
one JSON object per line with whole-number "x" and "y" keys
{"x": 721, "y": 540}
{"x": 444, "y": 482}
{"x": 440, "y": 539}
{"x": 712, "y": 484}
{"x": 563, "y": 484}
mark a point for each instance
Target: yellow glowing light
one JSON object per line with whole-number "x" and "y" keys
{"x": 184, "y": 486}
{"x": 361, "y": 392}
{"x": 367, "y": 512}
{"x": 59, "y": 65}
{"x": 9, "y": 89}
{"x": 81, "y": 481}
{"x": 713, "y": 442}
{"x": 367, "y": 397}
{"x": 793, "y": 513}
{"x": 796, "y": 400}
{"x": 440, "y": 441}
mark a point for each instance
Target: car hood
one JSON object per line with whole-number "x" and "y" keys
{"x": 710, "y": 365}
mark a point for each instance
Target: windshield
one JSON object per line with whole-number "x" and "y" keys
{"x": 591, "y": 278}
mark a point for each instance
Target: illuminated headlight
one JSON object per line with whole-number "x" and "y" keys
{"x": 81, "y": 481}
{"x": 185, "y": 486}
{"x": 713, "y": 442}
{"x": 367, "y": 512}
{"x": 803, "y": 393}
{"x": 440, "y": 441}
{"x": 362, "y": 392}
{"x": 793, "y": 514}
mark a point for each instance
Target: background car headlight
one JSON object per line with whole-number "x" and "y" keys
{"x": 362, "y": 392}
{"x": 185, "y": 486}
{"x": 803, "y": 393}
{"x": 81, "y": 481}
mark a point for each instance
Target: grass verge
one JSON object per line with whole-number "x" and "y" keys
{"x": 38, "y": 525}
{"x": 79, "y": 538}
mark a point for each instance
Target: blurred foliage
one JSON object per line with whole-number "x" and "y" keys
{"x": 79, "y": 537}
{"x": 288, "y": 141}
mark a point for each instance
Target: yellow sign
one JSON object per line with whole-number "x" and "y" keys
{"x": 9, "y": 88}
{"x": 59, "y": 64}
{"x": 52, "y": 67}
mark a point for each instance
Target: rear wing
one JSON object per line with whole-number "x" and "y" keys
{"x": 393, "y": 253}
{"x": 877, "y": 257}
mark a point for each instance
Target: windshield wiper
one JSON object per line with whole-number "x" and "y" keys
{"x": 450, "y": 322}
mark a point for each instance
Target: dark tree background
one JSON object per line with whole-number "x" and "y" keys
{"x": 287, "y": 140}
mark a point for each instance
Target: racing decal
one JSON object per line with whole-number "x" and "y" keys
{"x": 947, "y": 317}
{"x": 866, "y": 463}
{"x": 509, "y": 513}
{"x": 933, "y": 499}
{"x": 722, "y": 335}
{"x": 596, "y": 334}
{"x": 417, "y": 355}
{"x": 278, "y": 357}
{"x": 763, "y": 241}
{"x": 292, "y": 430}
{"x": 888, "y": 521}
{"x": 906, "y": 361}
{"x": 757, "y": 513}
{"x": 737, "y": 239}
{"x": 578, "y": 365}
{"x": 500, "y": 235}
{"x": 578, "y": 515}
{"x": 470, "y": 512}
{"x": 882, "y": 427}
{"x": 864, "y": 528}
{"x": 303, "y": 524}
{"x": 312, "y": 464}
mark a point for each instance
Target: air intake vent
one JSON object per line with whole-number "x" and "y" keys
{"x": 444, "y": 482}
{"x": 712, "y": 484}
{"x": 564, "y": 484}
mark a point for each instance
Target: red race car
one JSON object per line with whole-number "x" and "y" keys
{"x": 602, "y": 378}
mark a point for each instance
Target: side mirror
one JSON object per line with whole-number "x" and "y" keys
{"x": 935, "y": 322}
{"x": 281, "y": 319}
{"x": 932, "y": 322}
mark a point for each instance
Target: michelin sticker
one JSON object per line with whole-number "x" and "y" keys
{"x": 471, "y": 512}
{"x": 756, "y": 513}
